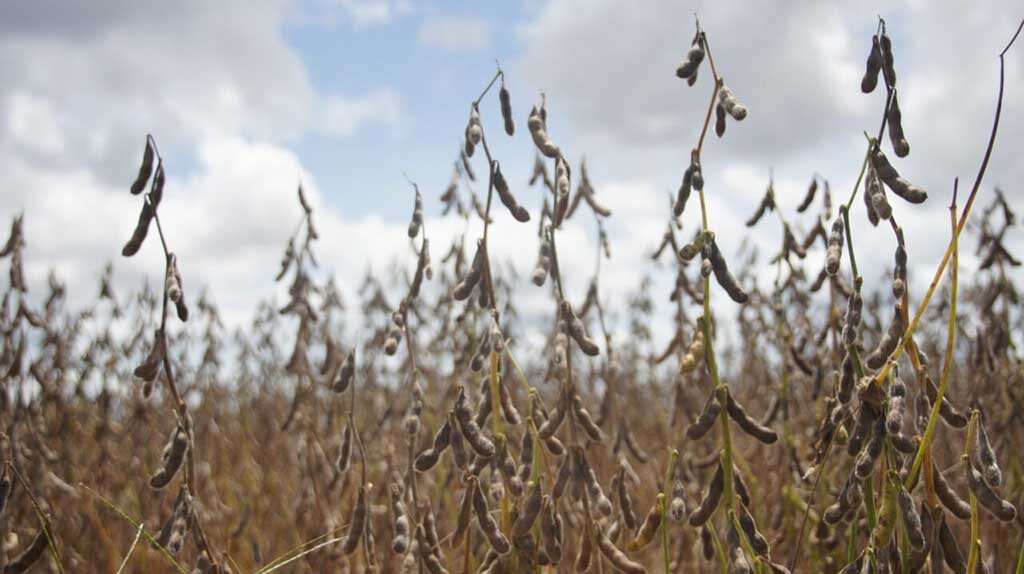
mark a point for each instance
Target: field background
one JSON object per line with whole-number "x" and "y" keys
{"x": 356, "y": 100}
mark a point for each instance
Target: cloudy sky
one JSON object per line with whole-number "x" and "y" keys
{"x": 247, "y": 98}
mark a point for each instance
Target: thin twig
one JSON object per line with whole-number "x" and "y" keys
{"x": 138, "y": 534}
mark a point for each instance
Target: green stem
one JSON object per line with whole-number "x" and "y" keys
{"x": 1020, "y": 560}
{"x": 947, "y": 365}
{"x": 845, "y": 212}
{"x": 860, "y": 176}
{"x": 723, "y": 560}
{"x": 851, "y": 547}
{"x": 719, "y": 387}
{"x": 869, "y": 504}
{"x": 904, "y": 547}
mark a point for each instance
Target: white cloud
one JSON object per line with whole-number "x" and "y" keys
{"x": 608, "y": 72}
{"x": 345, "y": 116}
{"x": 33, "y": 125}
{"x": 368, "y": 13}
{"x": 454, "y": 33}
{"x": 223, "y": 92}
{"x": 132, "y": 74}
{"x": 234, "y": 95}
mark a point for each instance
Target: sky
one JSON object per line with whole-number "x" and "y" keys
{"x": 247, "y": 98}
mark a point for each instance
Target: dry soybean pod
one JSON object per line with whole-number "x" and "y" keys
{"x": 484, "y": 405}
{"x": 687, "y": 69}
{"x": 887, "y": 343}
{"x": 683, "y": 195}
{"x": 529, "y": 511}
{"x": 740, "y": 487}
{"x": 707, "y": 544}
{"x": 737, "y": 558}
{"x": 748, "y": 424}
{"x": 427, "y": 553}
{"x": 711, "y": 499}
{"x": 427, "y": 459}
{"x": 890, "y": 177}
{"x": 174, "y": 287}
{"x": 865, "y": 462}
{"x": 141, "y": 230}
{"x": 28, "y": 557}
{"x": 731, "y": 104}
{"x": 899, "y": 273}
{"x": 911, "y": 519}
{"x": 719, "y": 119}
{"x": 888, "y": 66}
{"x": 538, "y": 131}
{"x": 482, "y": 445}
{"x": 694, "y": 354}
{"x": 487, "y": 524}
{"x": 417, "y": 216}
{"x": 757, "y": 541}
{"x": 474, "y": 131}
{"x": 722, "y": 274}
{"x": 985, "y": 457}
{"x": 953, "y": 416}
{"x": 872, "y": 67}
{"x": 173, "y": 457}
{"x": 400, "y": 541}
{"x": 897, "y": 405}
{"x": 348, "y": 369}
{"x": 617, "y": 558}
{"x": 463, "y": 289}
{"x": 1001, "y": 509}
{"x": 6, "y": 486}
{"x": 577, "y": 330}
{"x": 164, "y": 535}
{"x": 649, "y": 527}
{"x": 150, "y": 368}
{"x": 550, "y": 530}
{"x": 767, "y": 204}
{"x": 509, "y": 411}
{"x": 632, "y": 445}
{"x": 625, "y": 500}
{"x": 936, "y": 551}
{"x": 465, "y": 515}
{"x": 506, "y": 108}
{"x": 586, "y": 549}
{"x": 551, "y": 425}
{"x": 862, "y": 426}
{"x": 564, "y": 476}
{"x": 586, "y": 421}
{"x": 507, "y": 466}
{"x": 834, "y": 252}
{"x": 145, "y": 170}
{"x": 696, "y": 173}
{"x": 501, "y": 186}
{"x": 900, "y": 145}
{"x": 156, "y": 190}
{"x": 691, "y": 61}
{"x": 706, "y": 420}
{"x": 869, "y": 204}
{"x": 812, "y": 191}
{"x": 345, "y": 451}
{"x": 854, "y": 311}
{"x": 601, "y": 501}
{"x": 357, "y": 523}
{"x": 847, "y": 499}
{"x": 483, "y": 352}
{"x": 948, "y": 497}
{"x": 951, "y": 550}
